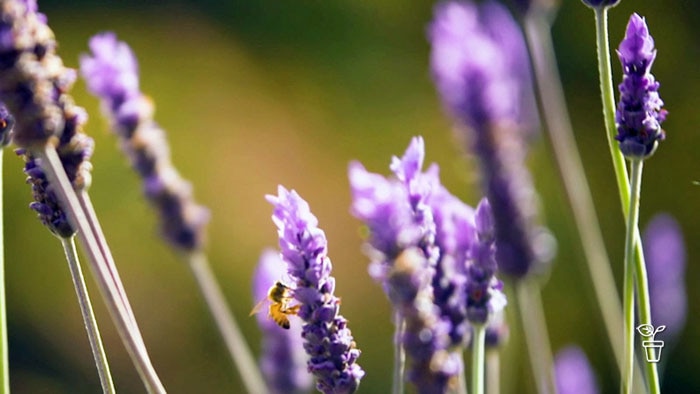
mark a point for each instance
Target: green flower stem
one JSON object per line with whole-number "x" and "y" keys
{"x": 86, "y": 204}
{"x": 632, "y": 222}
{"x": 127, "y": 329}
{"x": 93, "y": 332}
{"x": 621, "y": 176}
{"x": 226, "y": 323}
{"x": 4, "y": 362}
{"x": 397, "y": 385}
{"x": 536, "y": 336}
{"x": 493, "y": 371}
{"x": 478, "y": 345}
{"x": 561, "y": 135}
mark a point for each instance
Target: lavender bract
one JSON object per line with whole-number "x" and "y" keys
{"x": 573, "y": 372}
{"x": 639, "y": 114}
{"x": 111, "y": 74}
{"x": 327, "y": 339}
{"x": 665, "y": 253}
{"x": 477, "y": 63}
{"x": 283, "y": 360}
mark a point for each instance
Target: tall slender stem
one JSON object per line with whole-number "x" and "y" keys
{"x": 93, "y": 332}
{"x": 462, "y": 376}
{"x": 573, "y": 176}
{"x": 91, "y": 216}
{"x": 397, "y": 384}
{"x": 226, "y": 322}
{"x": 621, "y": 176}
{"x": 478, "y": 359}
{"x": 51, "y": 164}
{"x": 632, "y": 221}
{"x": 493, "y": 371}
{"x": 4, "y": 360}
{"x": 536, "y": 335}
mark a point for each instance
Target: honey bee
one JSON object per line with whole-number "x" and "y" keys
{"x": 279, "y": 296}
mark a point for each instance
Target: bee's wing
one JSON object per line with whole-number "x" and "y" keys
{"x": 258, "y": 307}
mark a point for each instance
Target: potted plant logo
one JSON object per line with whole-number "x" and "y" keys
{"x": 651, "y": 346}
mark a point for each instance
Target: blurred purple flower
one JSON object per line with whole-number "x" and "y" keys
{"x": 664, "y": 249}
{"x": 283, "y": 360}
{"x": 480, "y": 64}
{"x": 639, "y": 113}
{"x": 111, "y": 74}
{"x": 481, "y": 70}
{"x": 573, "y": 372}
{"x": 327, "y": 339}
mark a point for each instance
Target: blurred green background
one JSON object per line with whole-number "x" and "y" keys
{"x": 259, "y": 93}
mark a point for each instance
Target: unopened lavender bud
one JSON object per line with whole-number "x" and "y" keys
{"x": 45, "y": 203}
{"x": 639, "y": 113}
{"x": 485, "y": 295}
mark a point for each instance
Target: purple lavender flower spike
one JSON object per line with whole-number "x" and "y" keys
{"x": 29, "y": 65}
{"x": 639, "y": 113}
{"x": 283, "y": 359}
{"x": 573, "y": 372}
{"x": 327, "y": 339}
{"x": 34, "y": 85}
{"x": 111, "y": 73}
{"x": 476, "y": 66}
{"x": 485, "y": 295}
{"x": 419, "y": 236}
{"x": 664, "y": 249}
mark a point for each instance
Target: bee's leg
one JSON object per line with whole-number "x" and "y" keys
{"x": 291, "y": 310}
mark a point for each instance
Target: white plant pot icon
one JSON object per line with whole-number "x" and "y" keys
{"x": 652, "y": 347}
{"x": 653, "y": 350}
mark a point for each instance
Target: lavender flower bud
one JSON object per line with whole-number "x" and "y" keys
{"x": 573, "y": 373}
{"x": 111, "y": 74}
{"x": 327, "y": 339}
{"x": 475, "y": 65}
{"x": 484, "y": 292}
{"x": 283, "y": 359}
{"x": 665, "y": 261}
{"x": 600, "y": 3}
{"x": 639, "y": 113}
{"x": 45, "y": 203}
